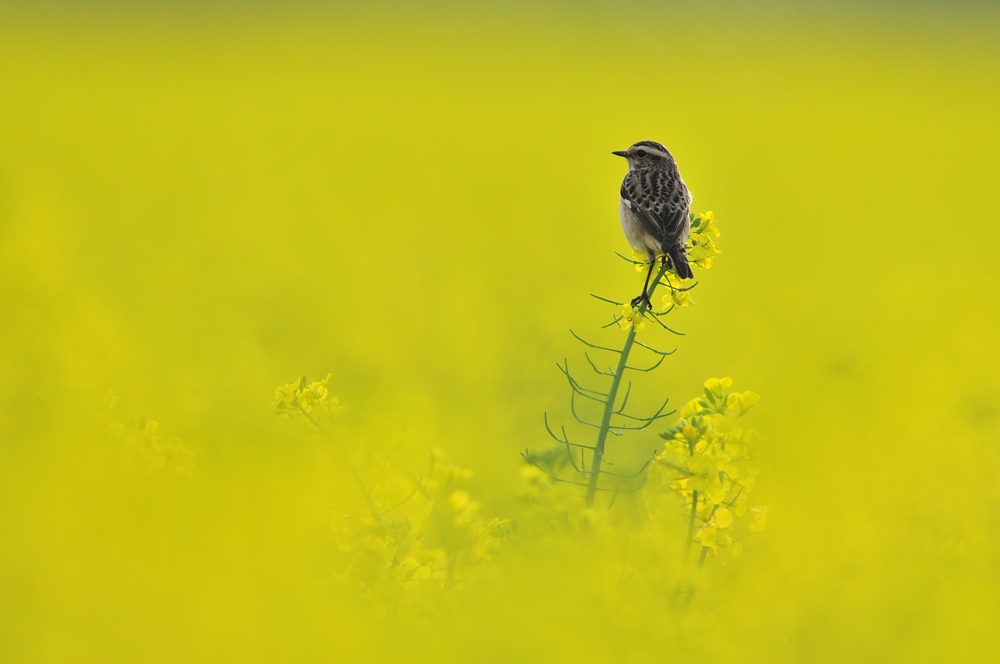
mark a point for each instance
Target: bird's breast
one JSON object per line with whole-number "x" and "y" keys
{"x": 636, "y": 235}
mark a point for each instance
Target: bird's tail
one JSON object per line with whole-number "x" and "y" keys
{"x": 678, "y": 256}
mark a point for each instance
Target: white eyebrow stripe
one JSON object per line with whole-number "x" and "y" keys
{"x": 658, "y": 153}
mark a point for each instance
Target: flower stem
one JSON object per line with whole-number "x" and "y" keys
{"x": 686, "y": 583}
{"x": 609, "y": 405}
{"x": 690, "y": 590}
{"x": 354, "y": 471}
{"x": 690, "y": 538}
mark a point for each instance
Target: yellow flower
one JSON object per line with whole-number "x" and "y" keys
{"x": 530, "y": 473}
{"x": 315, "y": 395}
{"x": 641, "y": 259}
{"x": 460, "y": 500}
{"x": 464, "y": 507}
{"x": 108, "y": 399}
{"x": 286, "y": 395}
{"x": 758, "y": 519}
{"x": 726, "y": 425}
{"x": 701, "y": 250}
{"x": 705, "y": 224}
{"x": 677, "y": 298}
{"x": 709, "y": 485}
{"x": 716, "y": 491}
{"x": 750, "y": 400}
{"x": 692, "y": 408}
{"x": 703, "y": 464}
{"x": 722, "y": 518}
{"x": 707, "y": 537}
{"x": 709, "y": 456}
{"x": 445, "y": 469}
{"x": 631, "y": 318}
{"x": 741, "y": 404}
{"x": 717, "y": 386}
{"x": 304, "y": 395}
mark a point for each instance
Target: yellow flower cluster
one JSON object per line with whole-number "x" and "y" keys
{"x": 305, "y": 405}
{"x": 387, "y": 562}
{"x": 438, "y": 542}
{"x": 709, "y": 465}
{"x": 147, "y": 449}
{"x": 700, "y": 245}
{"x": 547, "y": 499}
{"x": 412, "y": 541}
{"x": 700, "y": 248}
{"x": 492, "y": 536}
{"x": 304, "y": 395}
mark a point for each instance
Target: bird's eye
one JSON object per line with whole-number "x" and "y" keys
{"x": 641, "y": 154}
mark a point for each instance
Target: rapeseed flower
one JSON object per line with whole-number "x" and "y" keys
{"x": 305, "y": 396}
{"x": 631, "y": 318}
{"x": 709, "y": 464}
{"x": 143, "y": 444}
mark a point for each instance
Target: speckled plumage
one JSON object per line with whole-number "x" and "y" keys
{"x": 654, "y": 205}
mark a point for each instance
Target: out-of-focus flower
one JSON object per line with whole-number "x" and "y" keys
{"x": 108, "y": 400}
{"x": 306, "y": 396}
{"x": 149, "y": 450}
{"x": 722, "y": 518}
{"x": 715, "y": 387}
{"x": 758, "y": 519}
{"x": 709, "y": 458}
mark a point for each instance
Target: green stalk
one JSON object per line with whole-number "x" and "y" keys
{"x": 690, "y": 537}
{"x": 609, "y": 405}
{"x": 354, "y": 471}
{"x": 686, "y": 578}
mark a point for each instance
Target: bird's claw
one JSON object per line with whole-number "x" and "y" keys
{"x": 636, "y": 301}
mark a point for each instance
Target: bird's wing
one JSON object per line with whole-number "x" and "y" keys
{"x": 659, "y": 202}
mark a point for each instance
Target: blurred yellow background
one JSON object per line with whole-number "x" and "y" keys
{"x": 198, "y": 204}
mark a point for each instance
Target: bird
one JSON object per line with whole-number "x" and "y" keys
{"x": 654, "y": 209}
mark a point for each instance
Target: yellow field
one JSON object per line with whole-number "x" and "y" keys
{"x": 198, "y": 205}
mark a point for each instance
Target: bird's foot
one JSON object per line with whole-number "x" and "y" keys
{"x": 636, "y": 301}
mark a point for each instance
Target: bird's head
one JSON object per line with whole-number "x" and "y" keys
{"x": 646, "y": 154}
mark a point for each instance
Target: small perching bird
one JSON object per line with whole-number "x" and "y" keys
{"x": 654, "y": 208}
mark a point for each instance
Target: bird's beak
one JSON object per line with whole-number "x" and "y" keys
{"x": 620, "y": 153}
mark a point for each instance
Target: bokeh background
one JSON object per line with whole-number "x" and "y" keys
{"x": 201, "y": 202}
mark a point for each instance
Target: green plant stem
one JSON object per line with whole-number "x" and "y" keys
{"x": 702, "y": 556}
{"x": 690, "y": 590}
{"x": 685, "y": 586}
{"x": 354, "y": 471}
{"x": 690, "y": 536}
{"x": 609, "y": 405}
